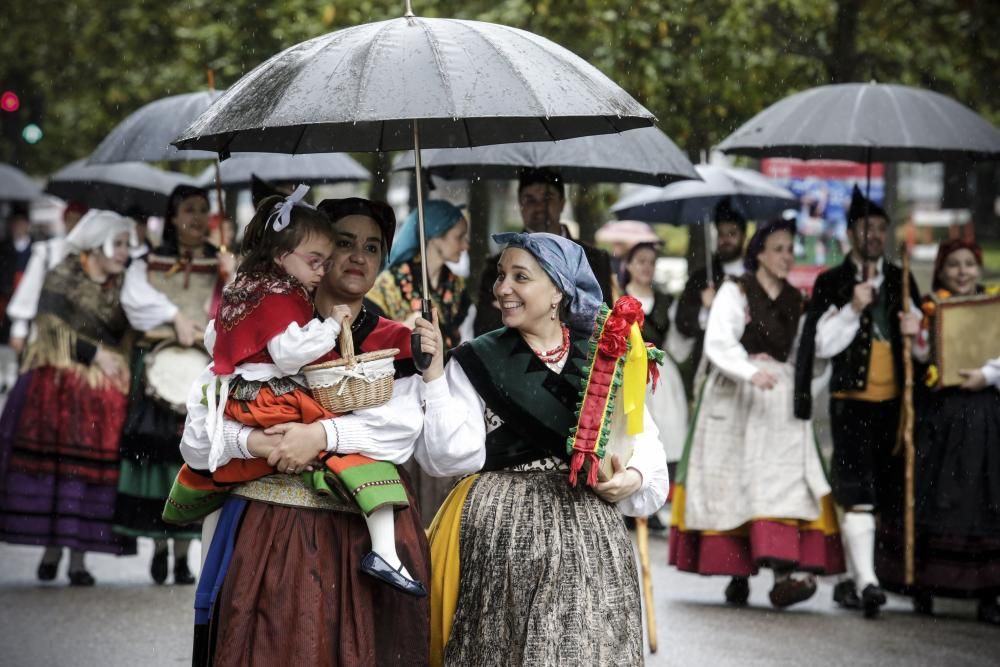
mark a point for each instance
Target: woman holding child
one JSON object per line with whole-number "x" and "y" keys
{"x": 284, "y": 578}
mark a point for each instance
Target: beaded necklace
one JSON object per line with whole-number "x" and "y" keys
{"x": 555, "y": 355}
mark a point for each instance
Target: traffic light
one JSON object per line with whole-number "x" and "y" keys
{"x": 9, "y": 101}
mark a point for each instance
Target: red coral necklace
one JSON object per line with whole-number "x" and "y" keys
{"x": 556, "y": 354}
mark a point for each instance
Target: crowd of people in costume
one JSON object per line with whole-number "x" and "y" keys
{"x": 548, "y": 407}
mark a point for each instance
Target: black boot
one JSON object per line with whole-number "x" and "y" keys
{"x": 158, "y": 566}
{"x": 923, "y": 603}
{"x": 738, "y": 591}
{"x": 988, "y": 611}
{"x": 845, "y": 594}
{"x": 872, "y": 599}
{"x": 182, "y": 575}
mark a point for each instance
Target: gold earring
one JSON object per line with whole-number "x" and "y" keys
{"x": 553, "y": 316}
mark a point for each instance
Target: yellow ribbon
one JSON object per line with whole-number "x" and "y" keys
{"x": 634, "y": 381}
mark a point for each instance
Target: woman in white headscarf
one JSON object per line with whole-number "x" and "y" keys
{"x": 61, "y": 425}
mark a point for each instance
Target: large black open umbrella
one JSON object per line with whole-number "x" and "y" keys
{"x": 865, "y": 122}
{"x": 146, "y": 134}
{"x": 645, "y": 156}
{"x": 15, "y": 185}
{"x": 415, "y": 82}
{"x": 237, "y": 172}
{"x": 694, "y": 202}
{"x": 125, "y": 187}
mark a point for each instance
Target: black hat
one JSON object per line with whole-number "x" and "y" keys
{"x": 380, "y": 212}
{"x": 541, "y": 176}
{"x": 725, "y": 213}
{"x": 261, "y": 190}
{"x": 857, "y": 210}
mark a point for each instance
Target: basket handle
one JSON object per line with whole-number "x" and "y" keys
{"x": 346, "y": 341}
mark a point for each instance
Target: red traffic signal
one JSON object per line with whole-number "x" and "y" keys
{"x": 9, "y": 101}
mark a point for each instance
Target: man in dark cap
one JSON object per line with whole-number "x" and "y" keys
{"x": 696, "y": 299}
{"x": 857, "y": 319}
{"x": 541, "y": 196}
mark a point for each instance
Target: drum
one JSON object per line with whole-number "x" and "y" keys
{"x": 171, "y": 369}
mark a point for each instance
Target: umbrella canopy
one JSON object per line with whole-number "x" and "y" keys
{"x": 628, "y": 232}
{"x": 308, "y": 169}
{"x": 645, "y": 156}
{"x": 15, "y": 185}
{"x": 145, "y": 135}
{"x": 866, "y": 122}
{"x": 693, "y": 202}
{"x": 468, "y": 83}
{"x": 124, "y": 187}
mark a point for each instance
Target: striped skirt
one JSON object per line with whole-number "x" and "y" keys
{"x": 530, "y": 571}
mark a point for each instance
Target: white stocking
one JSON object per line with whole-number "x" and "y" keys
{"x": 382, "y": 528}
{"x": 859, "y": 538}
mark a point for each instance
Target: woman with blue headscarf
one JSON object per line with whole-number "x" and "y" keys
{"x": 527, "y": 568}
{"x": 399, "y": 289}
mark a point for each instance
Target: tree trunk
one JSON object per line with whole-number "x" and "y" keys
{"x": 479, "y": 231}
{"x": 842, "y": 63}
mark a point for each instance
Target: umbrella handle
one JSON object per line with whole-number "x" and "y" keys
{"x": 422, "y": 360}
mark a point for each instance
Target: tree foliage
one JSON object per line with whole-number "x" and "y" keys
{"x": 702, "y": 66}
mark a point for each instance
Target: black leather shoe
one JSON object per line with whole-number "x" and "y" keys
{"x": 182, "y": 575}
{"x": 923, "y": 603}
{"x": 81, "y": 578}
{"x": 158, "y": 567}
{"x": 738, "y": 591}
{"x": 792, "y": 591}
{"x": 845, "y": 594}
{"x": 47, "y": 571}
{"x": 988, "y": 611}
{"x": 374, "y": 565}
{"x": 872, "y": 599}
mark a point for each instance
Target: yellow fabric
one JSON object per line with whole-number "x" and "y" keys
{"x": 826, "y": 522}
{"x": 881, "y": 385}
{"x": 444, "y": 536}
{"x": 634, "y": 381}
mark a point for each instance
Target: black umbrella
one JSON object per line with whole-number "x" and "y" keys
{"x": 146, "y": 134}
{"x": 310, "y": 169}
{"x": 412, "y": 82}
{"x": 15, "y": 185}
{"x": 124, "y": 187}
{"x": 644, "y": 156}
{"x": 693, "y": 202}
{"x": 866, "y": 122}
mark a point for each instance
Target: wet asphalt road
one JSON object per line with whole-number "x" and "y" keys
{"x": 126, "y": 620}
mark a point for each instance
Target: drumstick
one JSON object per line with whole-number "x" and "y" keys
{"x": 642, "y": 539}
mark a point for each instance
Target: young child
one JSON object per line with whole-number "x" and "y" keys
{"x": 265, "y": 332}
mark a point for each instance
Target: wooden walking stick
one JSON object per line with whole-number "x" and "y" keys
{"x": 642, "y": 539}
{"x": 905, "y": 436}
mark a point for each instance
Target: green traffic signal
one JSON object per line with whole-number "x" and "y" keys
{"x": 32, "y": 133}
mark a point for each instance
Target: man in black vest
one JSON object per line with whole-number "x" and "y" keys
{"x": 696, "y": 299}
{"x": 856, "y": 319}
{"x": 541, "y": 196}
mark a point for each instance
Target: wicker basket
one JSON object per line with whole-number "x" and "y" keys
{"x": 352, "y": 382}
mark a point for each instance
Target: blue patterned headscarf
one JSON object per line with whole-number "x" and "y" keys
{"x": 566, "y": 264}
{"x": 439, "y": 217}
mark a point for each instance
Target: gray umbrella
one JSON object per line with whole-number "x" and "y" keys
{"x": 694, "y": 202}
{"x": 145, "y": 135}
{"x": 865, "y": 122}
{"x": 468, "y": 83}
{"x": 15, "y": 185}
{"x": 412, "y": 82}
{"x": 124, "y": 187}
{"x": 644, "y": 156}
{"x": 309, "y": 169}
